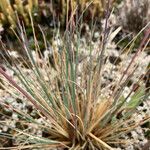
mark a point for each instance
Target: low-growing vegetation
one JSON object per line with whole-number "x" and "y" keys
{"x": 66, "y": 86}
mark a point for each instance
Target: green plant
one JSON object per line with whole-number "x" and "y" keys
{"x": 8, "y": 11}
{"x": 75, "y": 112}
{"x": 57, "y": 9}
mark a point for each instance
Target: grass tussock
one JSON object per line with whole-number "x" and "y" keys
{"x": 67, "y": 93}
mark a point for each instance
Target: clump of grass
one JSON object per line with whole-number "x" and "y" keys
{"x": 68, "y": 95}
